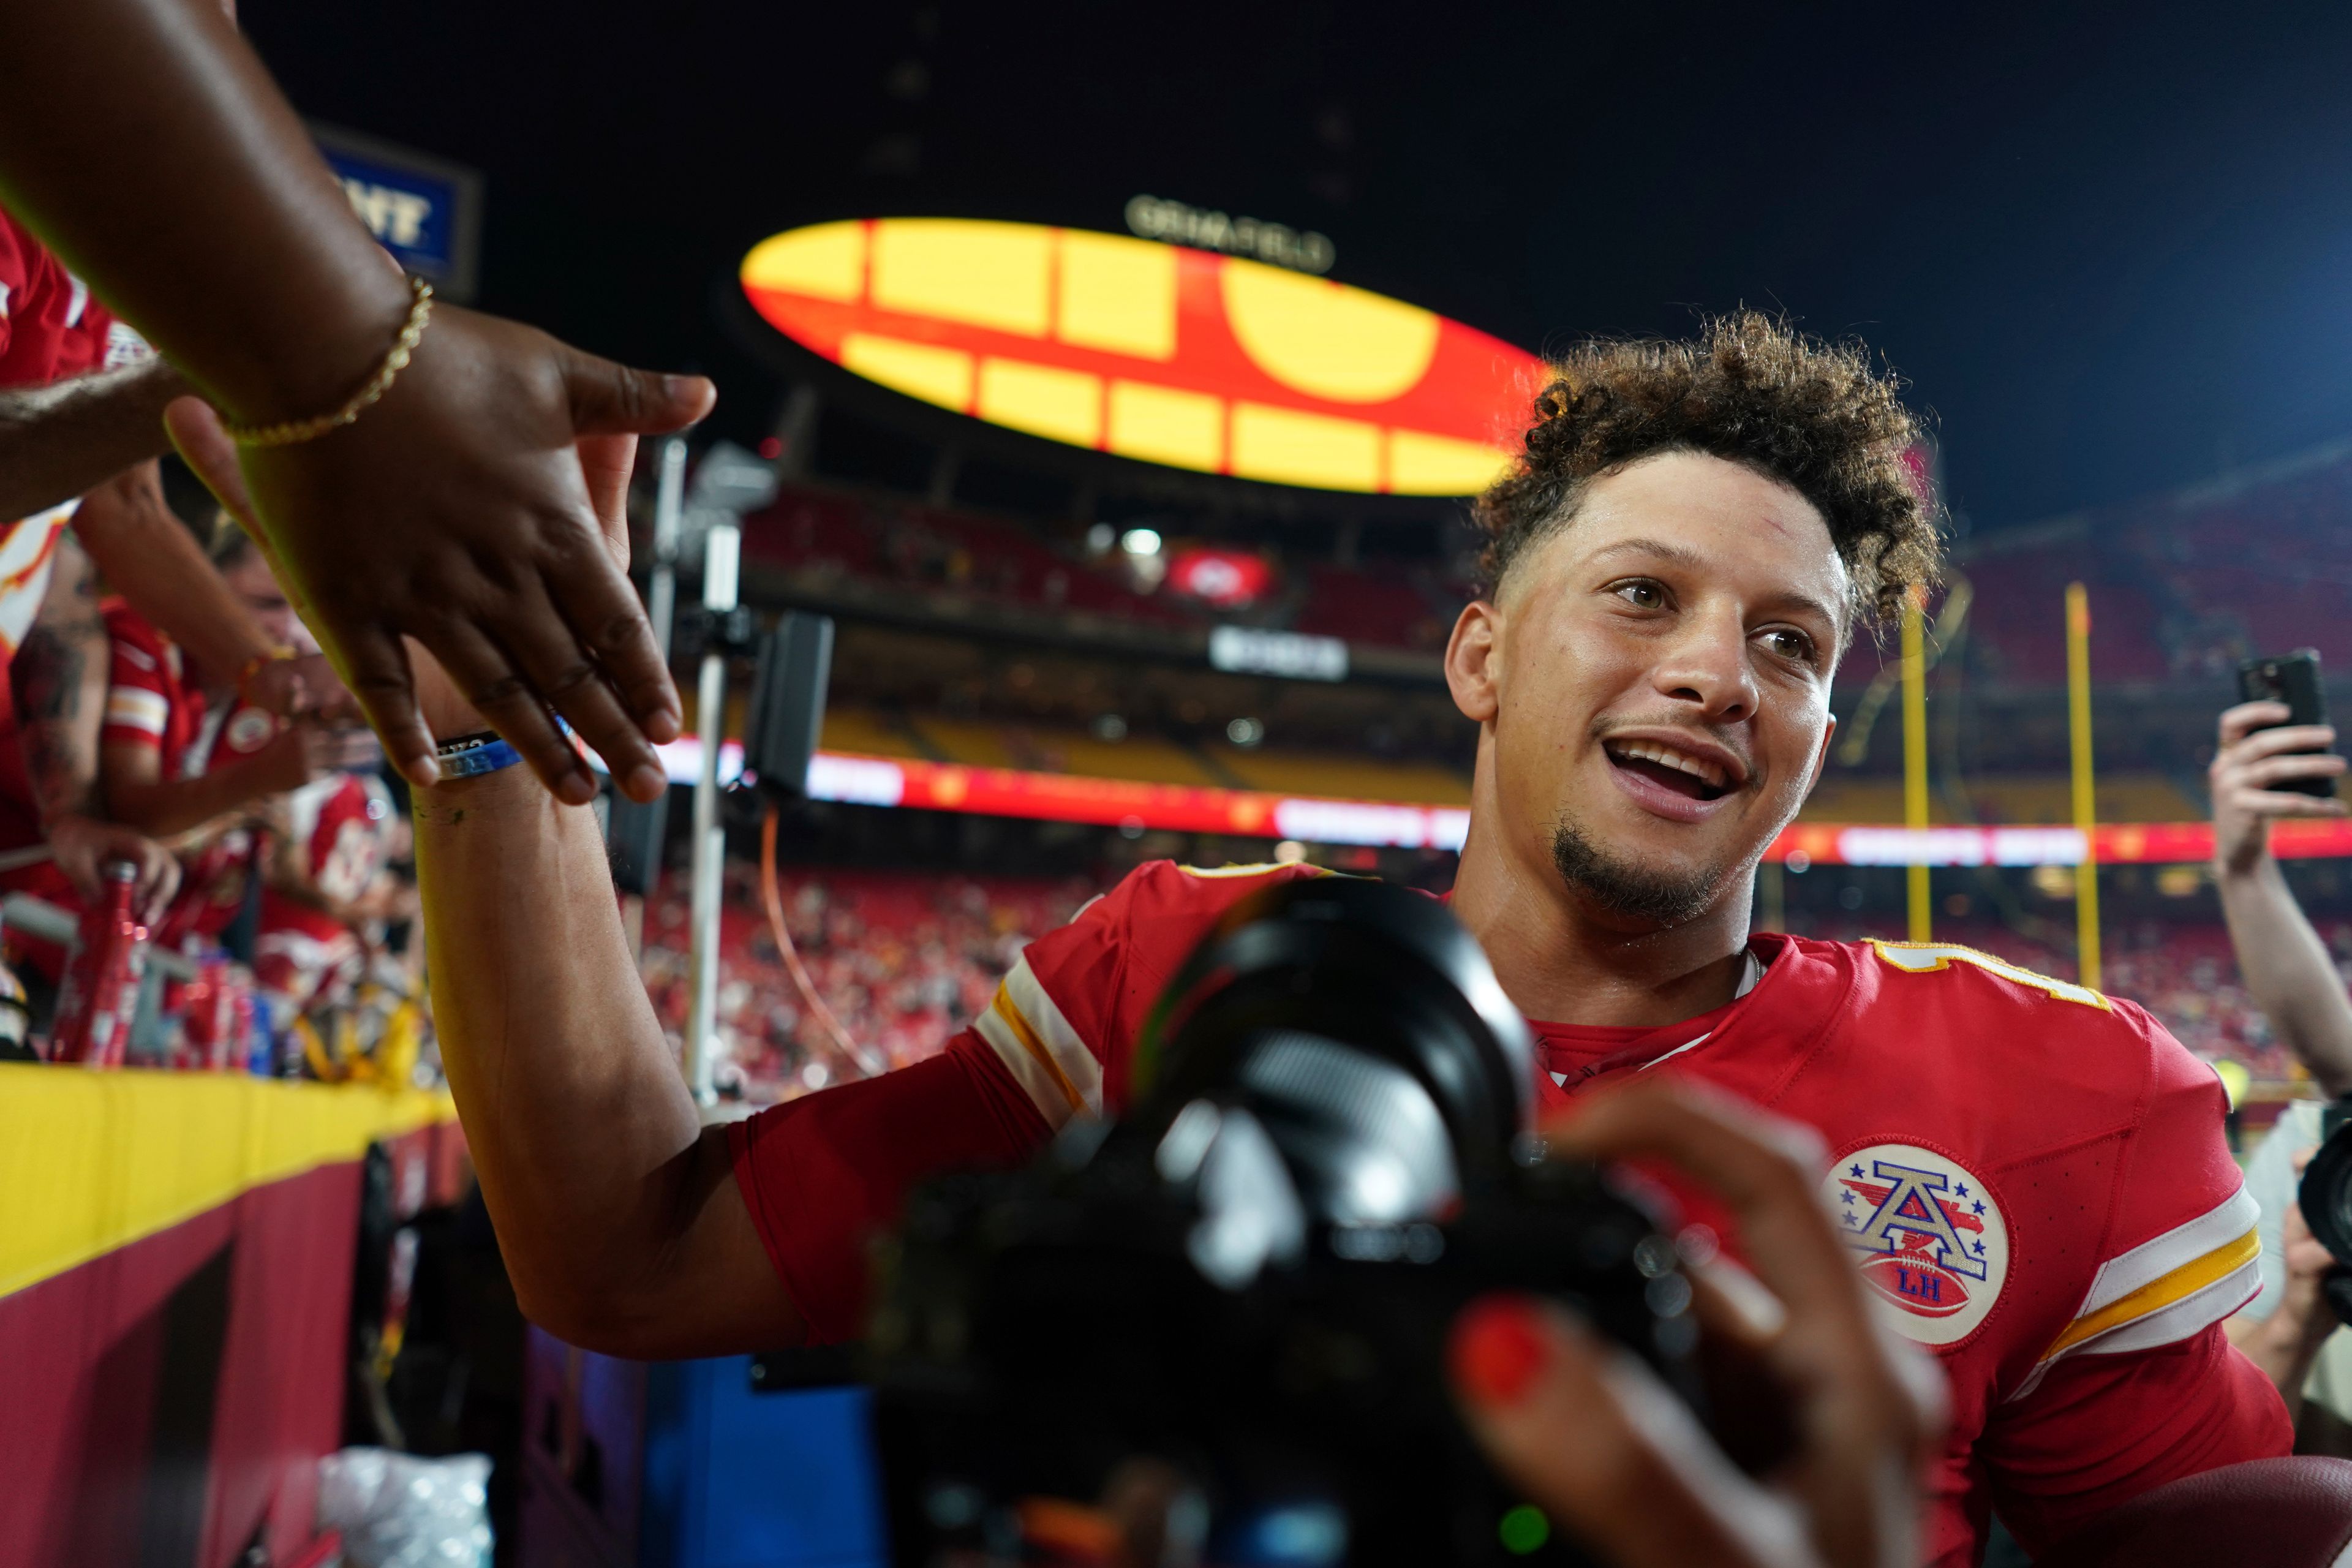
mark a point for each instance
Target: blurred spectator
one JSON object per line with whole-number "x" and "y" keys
{"x": 2288, "y": 1327}
{"x": 328, "y": 891}
{"x": 82, "y": 399}
{"x": 184, "y": 758}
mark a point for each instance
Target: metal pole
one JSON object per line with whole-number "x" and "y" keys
{"x": 669, "y": 519}
{"x": 1914, "y": 761}
{"x": 2086, "y": 808}
{"x": 721, "y": 557}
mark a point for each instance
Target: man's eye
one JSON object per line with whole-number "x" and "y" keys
{"x": 1790, "y": 644}
{"x": 1643, "y": 595}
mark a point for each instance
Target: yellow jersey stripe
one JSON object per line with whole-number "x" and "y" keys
{"x": 2160, "y": 1292}
{"x": 1003, "y": 1008}
{"x": 1256, "y": 868}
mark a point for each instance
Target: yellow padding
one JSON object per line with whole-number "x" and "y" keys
{"x": 90, "y": 1161}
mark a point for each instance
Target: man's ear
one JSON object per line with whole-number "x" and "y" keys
{"x": 1474, "y": 660}
{"x": 1822, "y": 757}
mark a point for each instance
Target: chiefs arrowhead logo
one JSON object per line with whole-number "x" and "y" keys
{"x": 1933, "y": 1243}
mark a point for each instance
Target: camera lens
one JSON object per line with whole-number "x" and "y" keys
{"x": 2326, "y": 1194}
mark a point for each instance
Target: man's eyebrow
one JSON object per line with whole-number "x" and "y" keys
{"x": 1680, "y": 554}
{"x": 1683, "y": 555}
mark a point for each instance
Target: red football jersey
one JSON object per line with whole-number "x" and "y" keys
{"x": 50, "y": 329}
{"x": 152, "y": 701}
{"x": 2032, "y": 1176}
{"x": 335, "y": 829}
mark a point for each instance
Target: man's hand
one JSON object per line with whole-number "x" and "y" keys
{"x": 2247, "y": 770}
{"x": 606, "y": 463}
{"x": 1616, "y": 1461}
{"x": 303, "y": 687}
{"x": 457, "y": 511}
{"x": 82, "y": 845}
{"x": 295, "y": 756}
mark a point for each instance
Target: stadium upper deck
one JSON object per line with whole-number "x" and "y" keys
{"x": 2182, "y": 585}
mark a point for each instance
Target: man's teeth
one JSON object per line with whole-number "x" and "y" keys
{"x": 1666, "y": 756}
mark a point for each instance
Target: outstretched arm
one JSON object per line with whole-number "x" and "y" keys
{"x": 147, "y": 555}
{"x": 616, "y": 1209}
{"x": 455, "y": 510}
{"x": 2287, "y": 968}
{"x": 59, "y": 440}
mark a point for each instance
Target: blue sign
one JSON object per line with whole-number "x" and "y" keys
{"x": 425, "y": 211}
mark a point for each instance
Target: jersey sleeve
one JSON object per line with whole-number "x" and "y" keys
{"x": 2141, "y": 1387}
{"x": 1064, "y": 1021}
{"x": 16, "y": 278}
{"x": 138, "y": 693}
{"x": 822, "y": 1173}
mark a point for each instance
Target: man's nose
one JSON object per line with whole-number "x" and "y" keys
{"x": 1708, "y": 666}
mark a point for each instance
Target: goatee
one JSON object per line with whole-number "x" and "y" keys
{"x": 1636, "y": 893}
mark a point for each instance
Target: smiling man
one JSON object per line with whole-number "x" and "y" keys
{"x": 2032, "y": 1176}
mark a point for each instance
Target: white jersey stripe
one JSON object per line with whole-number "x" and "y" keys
{"x": 2151, "y": 1260}
{"x": 2185, "y": 1317}
{"x": 2180, "y": 1319}
{"x": 1044, "y": 1018}
{"x": 134, "y": 709}
{"x": 1027, "y": 1071}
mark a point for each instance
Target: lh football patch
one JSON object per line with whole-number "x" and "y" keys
{"x": 1933, "y": 1245}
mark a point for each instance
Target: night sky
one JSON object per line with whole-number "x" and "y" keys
{"x": 2112, "y": 252}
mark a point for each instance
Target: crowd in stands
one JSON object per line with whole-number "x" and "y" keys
{"x": 903, "y": 959}
{"x": 287, "y": 843}
{"x": 165, "y": 710}
{"x": 833, "y": 538}
{"x": 2182, "y": 585}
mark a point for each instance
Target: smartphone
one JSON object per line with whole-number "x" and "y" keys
{"x": 2292, "y": 678}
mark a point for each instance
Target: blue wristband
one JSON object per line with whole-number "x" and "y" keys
{"x": 484, "y": 751}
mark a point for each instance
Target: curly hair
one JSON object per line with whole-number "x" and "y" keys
{"x": 1818, "y": 417}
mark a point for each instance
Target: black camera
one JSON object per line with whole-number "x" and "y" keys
{"x": 2325, "y": 1198}
{"x": 1214, "y": 1331}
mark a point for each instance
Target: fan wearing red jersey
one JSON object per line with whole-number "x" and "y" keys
{"x": 2038, "y": 1188}
{"x": 334, "y": 834}
{"x": 180, "y": 758}
{"x": 81, "y": 402}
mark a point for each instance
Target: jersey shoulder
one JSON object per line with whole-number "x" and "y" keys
{"x": 141, "y": 656}
{"x": 2102, "y": 1133}
{"x": 1065, "y": 1020}
{"x": 1984, "y": 1025}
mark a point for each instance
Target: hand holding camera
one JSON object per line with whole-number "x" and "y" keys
{"x": 1225, "y": 1328}
{"x": 1605, "y": 1451}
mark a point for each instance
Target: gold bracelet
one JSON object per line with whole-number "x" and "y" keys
{"x": 294, "y": 431}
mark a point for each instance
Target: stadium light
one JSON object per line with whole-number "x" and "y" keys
{"x": 1140, "y": 542}
{"x": 1161, "y": 353}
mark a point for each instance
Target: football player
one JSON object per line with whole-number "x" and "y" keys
{"x": 2029, "y": 1175}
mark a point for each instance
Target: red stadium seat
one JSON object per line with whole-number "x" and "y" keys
{"x": 2280, "y": 1514}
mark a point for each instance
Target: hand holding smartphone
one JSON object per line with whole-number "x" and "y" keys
{"x": 2292, "y": 678}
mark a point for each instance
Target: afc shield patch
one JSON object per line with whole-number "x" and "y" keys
{"x": 1932, "y": 1243}
{"x": 250, "y": 731}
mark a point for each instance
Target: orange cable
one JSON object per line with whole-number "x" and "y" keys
{"x": 867, "y": 1065}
